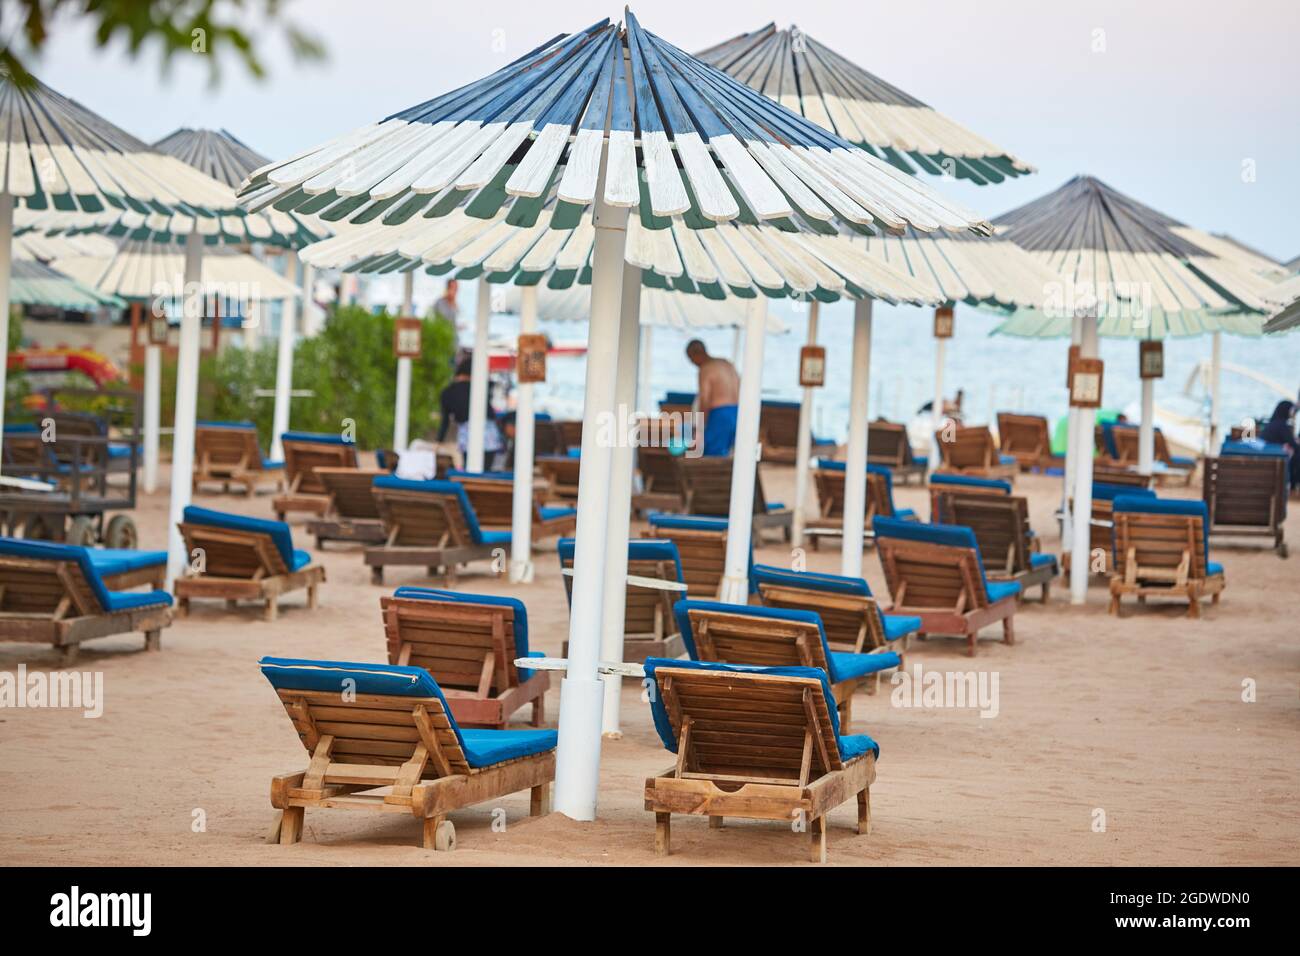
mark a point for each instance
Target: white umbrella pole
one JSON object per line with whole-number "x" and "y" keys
{"x": 478, "y": 382}
{"x": 1216, "y": 375}
{"x": 152, "y": 415}
{"x": 310, "y": 317}
{"x": 284, "y": 360}
{"x": 1071, "y": 441}
{"x": 402, "y": 409}
{"x": 744, "y": 461}
{"x": 645, "y": 398}
{"x": 618, "y": 530}
{"x": 855, "y": 465}
{"x": 1147, "y": 428}
{"x": 936, "y": 411}
{"x": 804, "y": 450}
{"x": 1080, "y": 549}
{"x": 577, "y": 757}
{"x": 6, "y": 263}
{"x": 521, "y": 515}
{"x": 187, "y": 397}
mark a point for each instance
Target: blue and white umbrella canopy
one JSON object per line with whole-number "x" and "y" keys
{"x": 1145, "y": 274}
{"x": 732, "y": 259}
{"x": 808, "y": 77}
{"x": 686, "y": 141}
{"x": 216, "y": 152}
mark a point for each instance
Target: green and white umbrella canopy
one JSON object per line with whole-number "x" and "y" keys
{"x": 1145, "y": 274}
{"x": 729, "y": 259}
{"x": 809, "y": 78}
{"x": 216, "y": 152}
{"x": 45, "y": 248}
{"x": 659, "y": 309}
{"x": 34, "y": 283}
{"x": 685, "y": 140}
{"x": 1288, "y": 318}
{"x": 270, "y": 228}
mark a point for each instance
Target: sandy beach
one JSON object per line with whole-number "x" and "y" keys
{"x": 1141, "y": 717}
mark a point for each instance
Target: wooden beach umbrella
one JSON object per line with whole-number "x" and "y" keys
{"x": 564, "y": 122}
{"x": 808, "y": 77}
{"x": 1135, "y": 273}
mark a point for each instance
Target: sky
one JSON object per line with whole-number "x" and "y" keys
{"x": 1191, "y": 107}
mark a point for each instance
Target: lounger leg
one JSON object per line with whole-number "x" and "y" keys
{"x": 182, "y": 607}
{"x": 539, "y": 800}
{"x": 1047, "y": 589}
{"x": 1009, "y": 629}
{"x": 864, "y": 811}
{"x": 272, "y": 608}
{"x": 817, "y": 840}
{"x": 377, "y": 575}
{"x": 291, "y": 825}
{"x": 231, "y": 604}
{"x": 716, "y": 823}
{"x": 1193, "y": 603}
{"x": 663, "y": 833}
{"x": 970, "y": 643}
{"x": 439, "y": 834}
{"x": 312, "y": 601}
{"x": 68, "y": 654}
{"x": 153, "y": 640}
{"x": 846, "y": 713}
{"x": 539, "y": 710}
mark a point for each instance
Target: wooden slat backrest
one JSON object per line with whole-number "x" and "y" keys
{"x": 231, "y": 553}
{"x": 53, "y": 588}
{"x": 1126, "y": 445}
{"x": 924, "y": 575}
{"x": 1024, "y": 434}
{"x": 941, "y": 495}
{"x": 851, "y": 621}
{"x": 571, "y": 432}
{"x": 301, "y": 458}
{"x": 706, "y": 482}
{"x": 493, "y": 500}
{"x": 1160, "y": 543}
{"x": 1247, "y": 491}
{"x": 749, "y": 725}
{"x": 703, "y": 555}
{"x": 971, "y": 446}
{"x": 228, "y": 447}
{"x": 646, "y": 611}
{"x": 423, "y": 518}
{"x": 372, "y": 729}
{"x": 452, "y": 640}
{"x": 1162, "y": 452}
{"x": 888, "y": 444}
{"x": 548, "y": 439}
{"x": 561, "y": 471}
{"x": 1112, "y": 475}
{"x": 658, "y": 468}
{"x": 350, "y": 490}
{"x": 739, "y": 638}
{"x": 830, "y": 494}
{"x": 1001, "y": 526}
{"x": 779, "y": 425}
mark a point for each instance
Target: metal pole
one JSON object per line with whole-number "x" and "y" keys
{"x": 478, "y": 382}
{"x": 1080, "y": 552}
{"x": 744, "y": 461}
{"x": 284, "y": 359}
{"x": 187, "y": 398}
{"x": 804, "y": 450}
{"x": 402, "y": 409}
{"x": 855, "y": 466}
{"x": 521, "y": 513}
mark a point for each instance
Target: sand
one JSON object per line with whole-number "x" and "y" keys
{"x": 1141, "y": 718}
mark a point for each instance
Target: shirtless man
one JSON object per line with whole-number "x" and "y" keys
{"x": 719, "y": 391}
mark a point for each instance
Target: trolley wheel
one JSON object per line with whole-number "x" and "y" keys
{"x": 38, "y": 528}
{"x": 81, "y": 530}
{"x": 444, "y": 836}
{"x": 121, "y": 533}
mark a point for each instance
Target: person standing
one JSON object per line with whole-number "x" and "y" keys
{"x": 454, "y": 407}
{"x": 719, "y": 392}
{"x": 1280, "y": 430}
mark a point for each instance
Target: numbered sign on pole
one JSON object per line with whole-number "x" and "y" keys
{"x": 1151, "y": 359}
{"x": 158, "y": 330}
{"x": 530, "y": 359}
{"x": 406, "y": 338}
{"x": 943, "y": 322}
{"x": 812, "y": 366}
{"x": 1085, "y": 383}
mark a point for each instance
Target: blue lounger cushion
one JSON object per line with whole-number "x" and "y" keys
{"x": 811, "y": 580}
{"x": 852, "y": 745}
{"x": 552, "y": 512}
{"x": 970, "y": 481}
{"x": 108, "y": 600}
{"x": 489, "y": 475}
{"x": 1251, "y": 446}
{"x": 1104, "y": 492}
{"x": 110, "y": 561}
{"x": 494, "y": 600}
{"x": 950, "y": 536}
{"x": 678, "y": 398}
{"x": 900, "y": 625}
{"x": 1039, "y": 560}
{"x": 320, "y": 438}
{"x": 217, "y": 424}
{"x": 438, "y": 486}
{"x": 872, "y": 469}
{"x": 638, "y": 549}
{"x": 843, "y": 665}
{"x": 1007, "y": 459}
{"x": 660, "y": 519}
{"x": 482, "y": 748}
{"x": 1171, "y": 506}
{"x": 279, "y": 531}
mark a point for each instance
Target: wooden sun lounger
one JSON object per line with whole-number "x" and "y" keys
{"x": 702, "y": 549}
{"x": 829, "y": 522}
{"x": 429, "y": 523}
{"x": 888, "y": 445}
{"x": 1101, "y": 529}
{"x": 972, "y": 451}
{"x": 1246, "y": 496}
{"x": 661, "y": 483}
{"x": 1162, "y": 552}
{"x": 353, "y": 514}
{"x": 778, "y": 433}
{"x": 561, "y": 474}
{"x": 706, "y": 490}
{"x": 755, "y": 745}
{"x": 51, "y": 594}
{"x": 493, "y": 499}
{"x": 303, "y": 454}
{"x": 1010, "y": 550}
{"x": 395, "y": 730}
{"x": 469, "y": 643}
{"x": 1028, "y": 439}
{"x": 241, "y": 564}
{"x": 1122, "y": 451}
{"x": 943, "y": 487}
{"x": 1106, "y": 474}
{"x": 941, "y": 582}
{"x": 230, "y": 455}
{"x": 654, "y": 585}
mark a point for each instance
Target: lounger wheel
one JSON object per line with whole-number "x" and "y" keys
{"x": 121, "y": 533}
{"x": 37, "y": 528}
{"x": 81, "y": 531}
{"x": 443, "y": 832}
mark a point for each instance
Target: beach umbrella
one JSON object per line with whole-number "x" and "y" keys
{"x": 564, "y": 122}
{"x": 1135, "y": 273}
{"x": 800, "y": 73}
{"x": 34, "y": 283}
{"x": 1287, "y": 318}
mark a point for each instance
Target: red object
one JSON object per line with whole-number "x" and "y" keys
{"x": 97, "y": 366}
{"x": 503, "y": 360}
